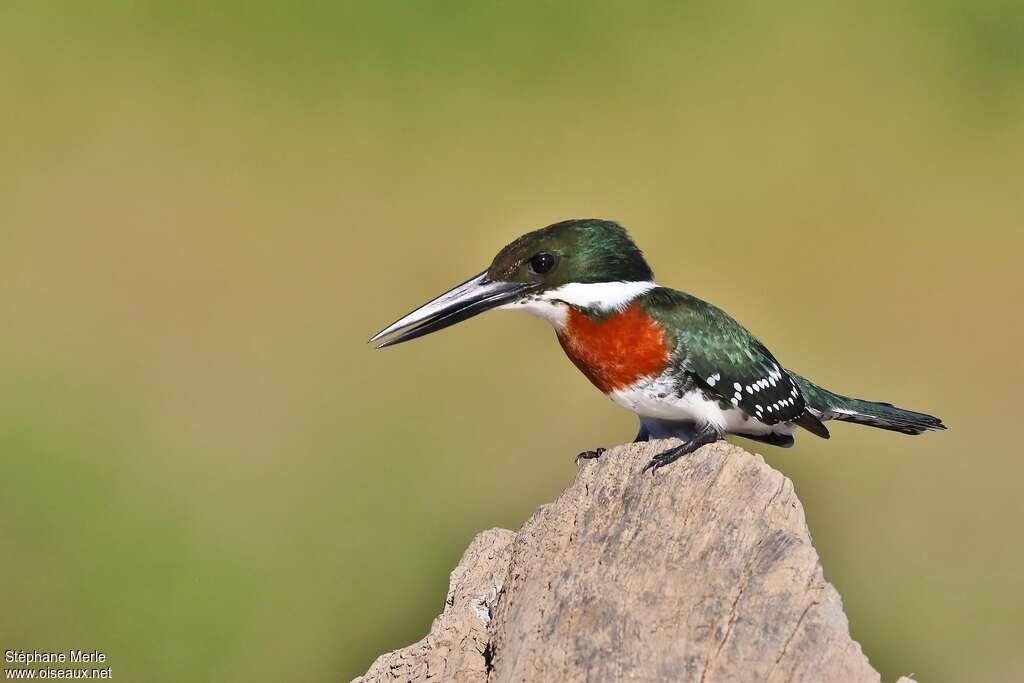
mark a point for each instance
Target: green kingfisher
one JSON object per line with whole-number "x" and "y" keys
{"x": 685, "y": 367}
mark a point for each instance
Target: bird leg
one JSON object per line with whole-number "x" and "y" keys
{"x": 643, "y": 435}
{"x": 707, "y": 434}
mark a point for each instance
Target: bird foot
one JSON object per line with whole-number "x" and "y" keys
{"x": 589, "y": 455}
{"x": 702, "y": 438}
{"x": 667, "y": 457}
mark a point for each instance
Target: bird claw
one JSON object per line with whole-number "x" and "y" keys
{"x": 660, "y": 460}
{"x": 671, "y": 455}
{"x": 589, "y": 455}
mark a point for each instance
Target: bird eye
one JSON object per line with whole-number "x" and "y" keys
{"x": 542, "y": 262}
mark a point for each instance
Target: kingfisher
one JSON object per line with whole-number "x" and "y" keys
{"x": 685, "y": 367}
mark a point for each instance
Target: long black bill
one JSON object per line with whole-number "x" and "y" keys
{"x": 472, "y": 297}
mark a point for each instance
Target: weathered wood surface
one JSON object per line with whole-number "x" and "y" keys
{"x": 705, "y": 572}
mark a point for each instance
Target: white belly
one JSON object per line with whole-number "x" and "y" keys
{"x": 657, "y": 399}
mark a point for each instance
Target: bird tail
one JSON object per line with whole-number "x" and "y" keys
{"x": 827, "y": 405}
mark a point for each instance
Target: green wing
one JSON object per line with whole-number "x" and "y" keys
{"x": 723, "y": 358}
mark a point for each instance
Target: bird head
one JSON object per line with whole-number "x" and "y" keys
{"x": 543, "y": 272}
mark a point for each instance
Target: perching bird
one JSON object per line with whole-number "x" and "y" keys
{"x": 684, "y": 366}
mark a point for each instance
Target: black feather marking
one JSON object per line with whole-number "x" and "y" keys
{"x": 780, "y": 440}
{"x": 812, "y": 424}
{"x": 762, "y": 389}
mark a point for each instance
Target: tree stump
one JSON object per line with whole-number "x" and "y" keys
{"x": 704, "y": 572}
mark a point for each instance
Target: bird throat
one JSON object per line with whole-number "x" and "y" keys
{"x": 616, "y": 350}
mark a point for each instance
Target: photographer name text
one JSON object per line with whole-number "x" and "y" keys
{"x": 37, "y": 657}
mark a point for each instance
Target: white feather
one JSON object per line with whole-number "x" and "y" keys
{"x": 657, "y": 398}
{"x": 602, "y": 296}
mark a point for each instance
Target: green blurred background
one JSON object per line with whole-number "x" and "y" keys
{"x": 206, "y": 209}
